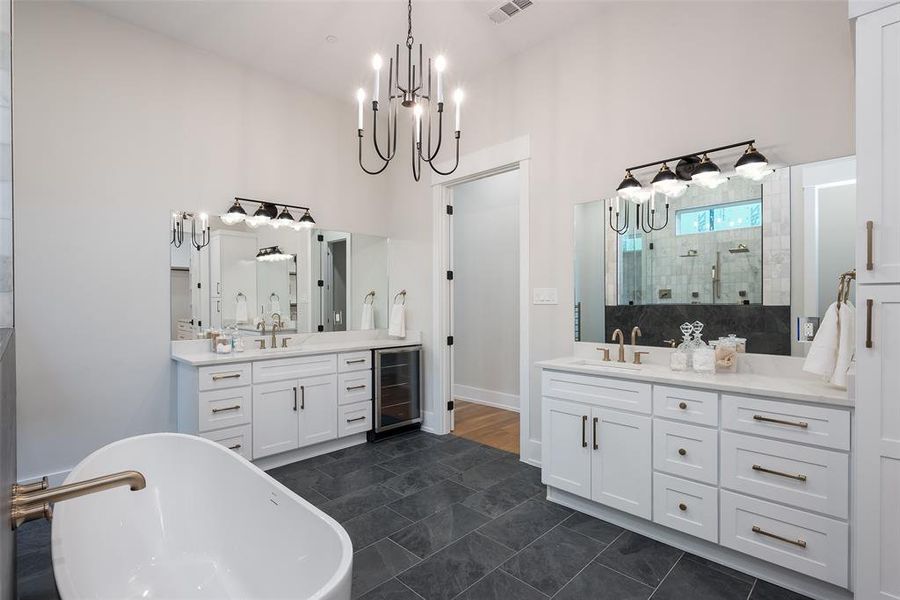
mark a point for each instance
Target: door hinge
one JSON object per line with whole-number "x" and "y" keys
{"x": 450, "y": 405}
{"x": 651, "y": 245}
{"x": 198, "y": 285}
{"x": 321, "y": 328}
{"x": 449, "y": 209}
{"x": 450, "y": 275}
{"x": 449, "y": 340}
{"x": 320, "y": 283}
{"x": 320, "y": 237}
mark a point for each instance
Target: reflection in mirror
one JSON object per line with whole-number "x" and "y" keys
{"x": 308, "y": 280}
{"x": 760, "y": 260}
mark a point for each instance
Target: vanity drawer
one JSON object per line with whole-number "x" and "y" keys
{"x": 355, "y": 386}
{"x": 280, "y": 369}
{"x": 828, "y": 427}
{"x": 686, "y": 506}
{"x": 238, "y": 439}
{"x": 226, "y": 376}
{"x": 683, "y": 404}
{"x": 686, "y": 451}
{"x": 224, "y": 408}
{"x": 597, "y": 390}
{"x": 809, "y": 478}
{"x": 354, "y": 418}
{"x": 797, "y": 540}
{"x": 354, "y": 361}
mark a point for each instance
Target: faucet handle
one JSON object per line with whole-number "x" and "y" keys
{"x": 262, "y": 344}
{"x": 284, "y": 342}
{"x": 637, "y": 356}
{"x": 605, "y": 352}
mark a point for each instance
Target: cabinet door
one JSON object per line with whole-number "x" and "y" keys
{"x": 215, "y": 313}
{"x": 877, "y": 441}
{"x": 318, "y": 409}
{"x": 878, "y": 146}
{"x": 276, "y": 426}
{"x": 621, "y": 469}
{"x": 566, "y": 453}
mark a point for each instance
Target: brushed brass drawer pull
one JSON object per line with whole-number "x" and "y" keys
{"x": 355, "y": 361}
{"x": 356, "y": 419}
{"x": 227, "y": 408}
{"x": 801, "y": 424}
{"x": 775, "y": 536}
{"x": 596, "y": 444}
{"x": 682, "y": 507}
{"x": 682, "y": 451}
{"x": 870, "y": 263}
{"x": 235, "y": 447}
{"x": 761, "y": 469}
{"x": 584, "y": 431}
{"x": 682, "y": 405}
{"x": 869, "y": 304}
{"x": 350, "y": 388}
{"x": 229, "y": 376}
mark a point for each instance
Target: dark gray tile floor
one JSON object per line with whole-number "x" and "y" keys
{"x": 443, "y": 518}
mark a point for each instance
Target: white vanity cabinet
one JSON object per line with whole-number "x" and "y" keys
{"x": 594, "y": 451}
{"x": 764, "y": 477}
{"x": 269, "y": 406}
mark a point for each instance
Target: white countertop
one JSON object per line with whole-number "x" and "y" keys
{"x": 191, "y": 356}
{"x": 802, "y": 387}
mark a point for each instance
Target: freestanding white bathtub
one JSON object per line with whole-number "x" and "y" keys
{"x": 209, "y": 524}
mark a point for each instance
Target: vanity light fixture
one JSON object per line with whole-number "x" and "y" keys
{"x": 199, "y": 221}
{"x": 416, "y": 95}
{"x": 267, "y": 213}
{"x": 272, "y": 254}
{"x": 696, "y": 168}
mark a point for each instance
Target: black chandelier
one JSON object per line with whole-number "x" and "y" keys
{"x": 412, "y": 96}
{"x": 198, "y": 241}
{"x": 691, "y": 169}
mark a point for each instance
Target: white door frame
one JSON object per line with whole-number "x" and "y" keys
{"x": 515, "y": 154}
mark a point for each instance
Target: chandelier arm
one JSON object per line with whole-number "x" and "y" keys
{"x": 362, "y": 166}
{"x": 375, "y": 132}
{"x": 653, "y": 220}
{"x": 618, "y": 228}
{"x": 204, "y": 236}
{"x": 456, "y": 164}
{"x": 178, "y": 232}
{"x": 440, "y": 140}
{"x": 646, "y": 225}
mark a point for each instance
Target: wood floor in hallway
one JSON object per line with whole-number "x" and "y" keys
{"x": 487, "y": 425}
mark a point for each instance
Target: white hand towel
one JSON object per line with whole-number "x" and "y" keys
{"x": 240, "y": 310}
{"x": 367, "y": 320}
{"x": 397, "y": 326}
{"x": 846, "y": 344}
{"x": 822, "y": 356}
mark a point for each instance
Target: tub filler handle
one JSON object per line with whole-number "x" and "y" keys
{"x": 30, "y": 502}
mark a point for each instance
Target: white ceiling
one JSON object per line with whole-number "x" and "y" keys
{"x": 287, "y": 38}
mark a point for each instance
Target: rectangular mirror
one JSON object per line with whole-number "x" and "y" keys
{"x": 311, "y": 280}
{"x": 760, "y": 260}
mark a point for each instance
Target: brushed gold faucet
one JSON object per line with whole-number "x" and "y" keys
{"x": 618, "y": 332}
{"x": 262, "y": 343}
{"x": 277, "y": 324}
{"x": 32, "y": 501}
{"x": 635, "y": 334}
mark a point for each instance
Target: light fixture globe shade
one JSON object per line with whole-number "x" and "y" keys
{"x": 667, "y": 183}
{"x": 629, "y": 187}
{"x": 306, "y": 221}
{"x": 707, "y": 174}
{"x": 285, "y": 219}
{"x": 235, "y": 214}
{"x": 752, "y": 164}
{"x": 641, "y": 195}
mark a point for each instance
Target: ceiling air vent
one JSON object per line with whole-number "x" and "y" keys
{"x": 508, "y": 10}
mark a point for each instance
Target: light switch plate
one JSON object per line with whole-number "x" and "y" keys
{"x": 546, "y": 296}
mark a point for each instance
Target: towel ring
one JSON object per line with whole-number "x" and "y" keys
{"x": 240, "y": 295}
{"x": 402, "y": 295}
{"x": 274, "y": 296}
{"x": 369, "y": 295}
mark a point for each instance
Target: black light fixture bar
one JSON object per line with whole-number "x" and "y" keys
{"x": 261, "y": 202}
{"x": 692, "y": 155}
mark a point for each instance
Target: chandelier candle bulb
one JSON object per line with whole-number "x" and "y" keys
{"x": 458, "y": 98}
{"x": 440, "y": 63}
{"x": 376, "y": 65}
{"x": 418, "y": 112}
{"x": 360, "y": 98}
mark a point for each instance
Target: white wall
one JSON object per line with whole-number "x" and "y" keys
{"x": 590, "y": 224}
{"x": 642, "y": 81}
{"x": 114, "y": 127}
{"x": 486, "y": 290}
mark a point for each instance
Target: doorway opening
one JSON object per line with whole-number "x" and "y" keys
{"x": 484, "y": 309}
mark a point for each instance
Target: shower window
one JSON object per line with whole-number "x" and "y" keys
{"x": 721, "y": 217}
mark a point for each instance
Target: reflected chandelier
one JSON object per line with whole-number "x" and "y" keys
{"x": 413, "y": 96}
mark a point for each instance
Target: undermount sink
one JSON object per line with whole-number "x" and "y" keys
{"x": 602, "y": 364}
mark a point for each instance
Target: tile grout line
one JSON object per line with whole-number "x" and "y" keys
{"x": 590, "y": 562}
{"x": 752, "y": 587}
{"x": 666, "y": 576}
{"x": 415, "y": 593}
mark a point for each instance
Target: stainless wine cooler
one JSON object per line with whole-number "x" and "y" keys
{"x": 398, "y": 390}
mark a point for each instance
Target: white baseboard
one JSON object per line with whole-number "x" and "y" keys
{"x": 532, "y": 454}
{"x": 476, "y": 395}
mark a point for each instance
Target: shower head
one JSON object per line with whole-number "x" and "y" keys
{"x": 740, "y": 249}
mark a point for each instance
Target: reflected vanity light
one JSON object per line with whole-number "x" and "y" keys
{"x": 267, "y": 213}
{"x": 272, "y": 254}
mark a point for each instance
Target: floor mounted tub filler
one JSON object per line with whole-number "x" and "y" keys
{"x": 209, "y": 524}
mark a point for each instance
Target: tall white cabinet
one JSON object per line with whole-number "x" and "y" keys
{"x": 877, "y": 452}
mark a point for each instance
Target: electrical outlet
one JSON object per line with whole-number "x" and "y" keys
{"x": 545, "y": 296}
{"x": 807, "y": 327}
